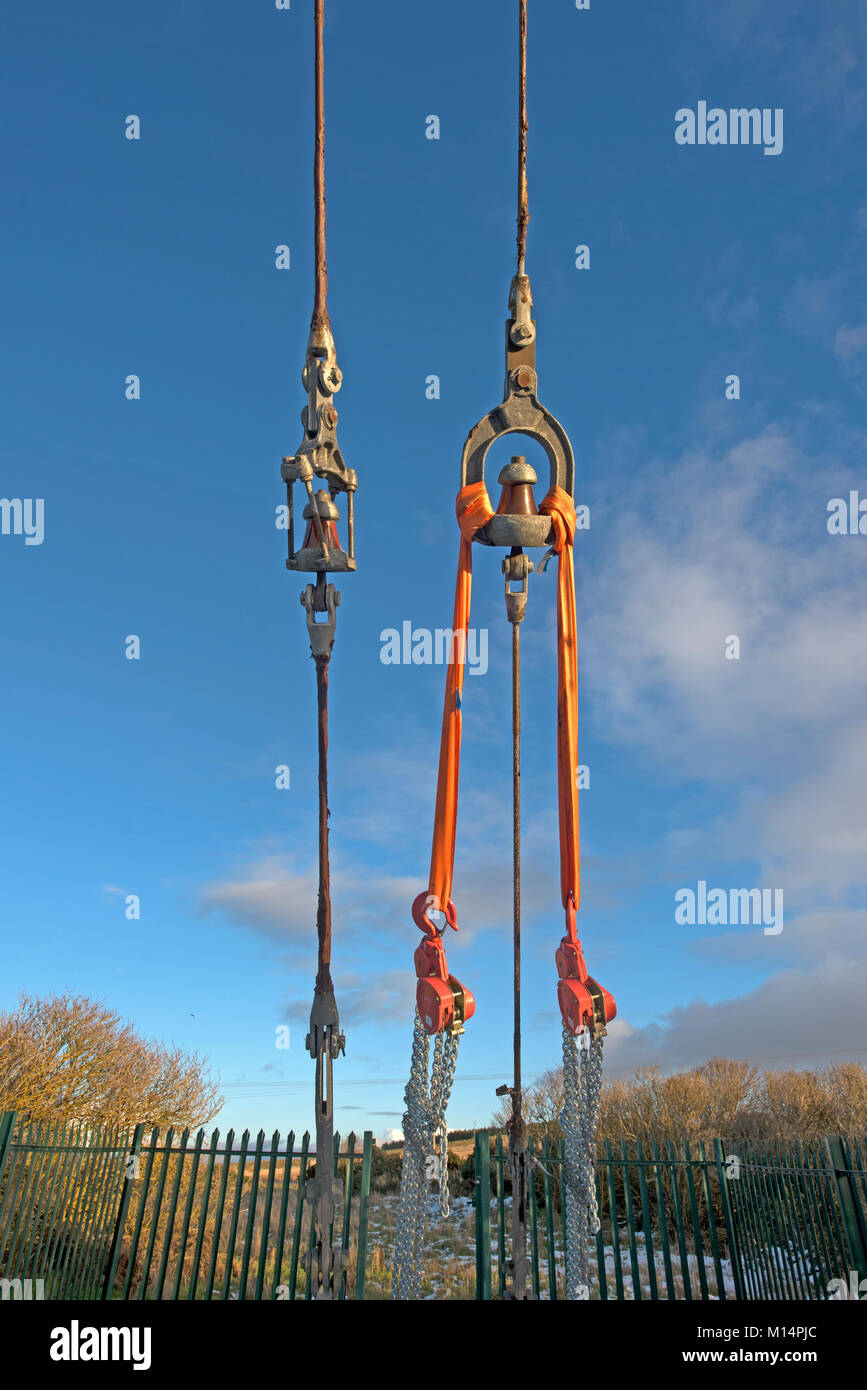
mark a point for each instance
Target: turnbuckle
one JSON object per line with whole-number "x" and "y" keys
{"x": 583, "y": 1002}
{"x": 444, "y": 1004}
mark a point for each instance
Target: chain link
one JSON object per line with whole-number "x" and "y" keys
{"x": 424, "y": 1134}
{"x": 582, "y": 1088}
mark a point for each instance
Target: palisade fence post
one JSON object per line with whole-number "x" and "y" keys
{"x": 850, "y": 1203}
{"x": 120, "y": 1223}
{"x": 729, "y": 1220}
{"x": 483, "y": 1216}
{"x": 363, "y": 1215}
{"x": 476, "y": 1210}
{"x": 7, "y": 1125}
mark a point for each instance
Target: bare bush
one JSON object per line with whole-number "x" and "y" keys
{"x": 68, "y": 1057}
{"x": 719, "y": 1098}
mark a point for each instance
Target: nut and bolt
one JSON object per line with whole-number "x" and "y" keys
{"x": 330, "y": 377}
{"x": 522, "y": 333}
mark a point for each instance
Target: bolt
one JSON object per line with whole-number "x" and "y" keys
{"x": 329, "y": 416}
{"x": 522, "y": 333}
{"x": 330, "y": 377}
{"x": 524, "y": 378}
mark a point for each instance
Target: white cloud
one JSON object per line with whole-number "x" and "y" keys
{"x": 273, "y": 897}
{"x": 736, "y": 542}
{"x": 716, "y": 545}
{"x": 849, "y": 342}
{"x": 382, "y": 996}
{"x": 817, "y": 53}
{"x": 797, "y": 1016}
{"x": 728, "y": 310}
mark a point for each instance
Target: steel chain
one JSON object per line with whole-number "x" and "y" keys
{"x": 582, "y": 1087}
{"x": 426, "y": 1098}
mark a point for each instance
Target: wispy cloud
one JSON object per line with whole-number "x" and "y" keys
{"x": 381, "y": 997}
{"x": 271, "y": 895}
{"x": 817, "y": 52}
{"x": 734, "y": 541}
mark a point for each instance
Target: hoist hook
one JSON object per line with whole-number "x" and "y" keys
{"x": 425, "y": 903}
{"x": 444, "y": 1004}
{"x": 583, "y": 1002}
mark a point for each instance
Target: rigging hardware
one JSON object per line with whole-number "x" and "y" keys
{"x": 319, "y": 456}
{"x": 585, "y": 1006}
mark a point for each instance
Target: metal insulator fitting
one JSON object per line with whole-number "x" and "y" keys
{"x": 296, "y": 468}
{"x": 517, "y": 480}
{"x": 516, "y": 567}
{"x": 321, "y": 515}
{"x": 321, "y": 634}
{"x": 325, "y": 506}
{"x": 523, "y": 330}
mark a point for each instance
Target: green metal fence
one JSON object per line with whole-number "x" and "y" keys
{"x": 740, "y": 1221}
{"x": 114, "y": 1213}
{"x": 60, "y": 1186}
{"x": 120, "y": 1214}
{"x": 798, "y": 1216}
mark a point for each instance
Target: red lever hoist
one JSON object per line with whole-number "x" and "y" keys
{"x": 443, "y": 1004}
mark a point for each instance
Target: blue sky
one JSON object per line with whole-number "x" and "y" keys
{"x": 708, "y": 518}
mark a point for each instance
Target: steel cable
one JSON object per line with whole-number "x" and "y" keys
{"x": 523, "y": 198}
{"x": 320, "y": 299}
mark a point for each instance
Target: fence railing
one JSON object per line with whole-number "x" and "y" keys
{"x": 798, "y": 1215}
{"x": 115, "y": 1213}
{"x": 741, "y": 1221}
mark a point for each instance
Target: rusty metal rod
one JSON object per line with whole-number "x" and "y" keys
{"x": 518, "y": 1153}
{"x": 523, "y": 127}
{"x": 324, "y": 982}
{"x": 320, "y": 300}
{"x": 516, "y": 861}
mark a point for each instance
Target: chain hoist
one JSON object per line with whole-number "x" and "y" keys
{"x": 319, "y": 456}
{"x": 442, "y": 1004}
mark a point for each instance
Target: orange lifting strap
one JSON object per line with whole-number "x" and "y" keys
{"x": 474, "y": 510}
{"x": 443, "y": 1002}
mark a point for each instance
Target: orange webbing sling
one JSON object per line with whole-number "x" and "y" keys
{"x": 559, "y": 506}
{"x": 474, "y": 510}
